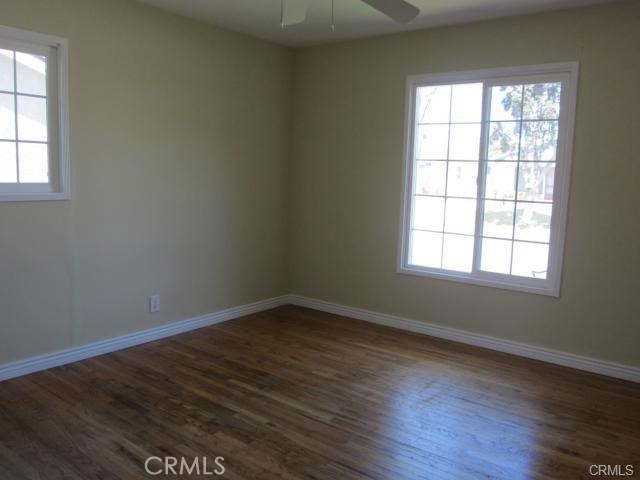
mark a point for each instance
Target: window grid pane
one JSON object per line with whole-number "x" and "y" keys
{"x": 533, "y": 222}
{"x": 536, "y": 182}
{"x": 31, "y": 74}
{"x": 504, "y": 141}
{"x": 457, "y": 252}
{"x": 539, "y": 140}
{"x": 498, "y": 219}
{"x": 542, "y": 101}
{"x": 34, "y": 165}
{"x": 32, "y": 118}
{"x": 7, "y": 116}
{"x": 8, "y": 165}
{"x": 426, "y": 248}
{"x": 6, "y": 71}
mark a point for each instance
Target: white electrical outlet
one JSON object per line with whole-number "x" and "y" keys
{"x": 154, "y": 303}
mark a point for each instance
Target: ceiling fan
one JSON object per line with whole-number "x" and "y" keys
{"x": 295, "y": 11}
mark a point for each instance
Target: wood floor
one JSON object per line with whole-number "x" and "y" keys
{"x": 294, "y": 393}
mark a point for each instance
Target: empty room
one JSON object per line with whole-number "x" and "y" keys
{"x": 319, "y": 239}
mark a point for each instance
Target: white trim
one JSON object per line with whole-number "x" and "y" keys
{"x": 34, "y": 197}
{"x": 588, "y": 364}
{"x": 74, "y": 354}
{"x": 567, "y": 73}
{"x": 504, "y": 73}
{"x": 56, "y": 50}
{"x": 27, "y": 37}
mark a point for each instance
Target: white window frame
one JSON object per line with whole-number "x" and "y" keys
{"x": 56, "y": 50}
{"x": 567, "y": 73}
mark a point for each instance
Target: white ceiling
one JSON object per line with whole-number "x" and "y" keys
{"x": 354, "y": 19}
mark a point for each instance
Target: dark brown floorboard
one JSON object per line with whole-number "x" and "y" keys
{"x": 294, "y": 393}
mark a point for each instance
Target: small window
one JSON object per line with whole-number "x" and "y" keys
{"x": 34, "y": 158}
{"x": 486, "y": 178}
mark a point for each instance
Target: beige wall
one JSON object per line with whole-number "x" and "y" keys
{"x": 179, "y": 137}
{"x": 347, "y": 159}
{"x": 193, "y": 179}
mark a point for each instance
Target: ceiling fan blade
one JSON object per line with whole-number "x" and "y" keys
{"x": 294, "y": 11}
{"x": 398, "y": 10}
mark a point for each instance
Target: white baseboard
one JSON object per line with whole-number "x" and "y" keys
{"x": 73, "y": 354}
{"x": 523, "y": 350}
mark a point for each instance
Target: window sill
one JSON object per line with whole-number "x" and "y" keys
{"x": 541, "y": 287}
{"x": 34, "y": 197}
